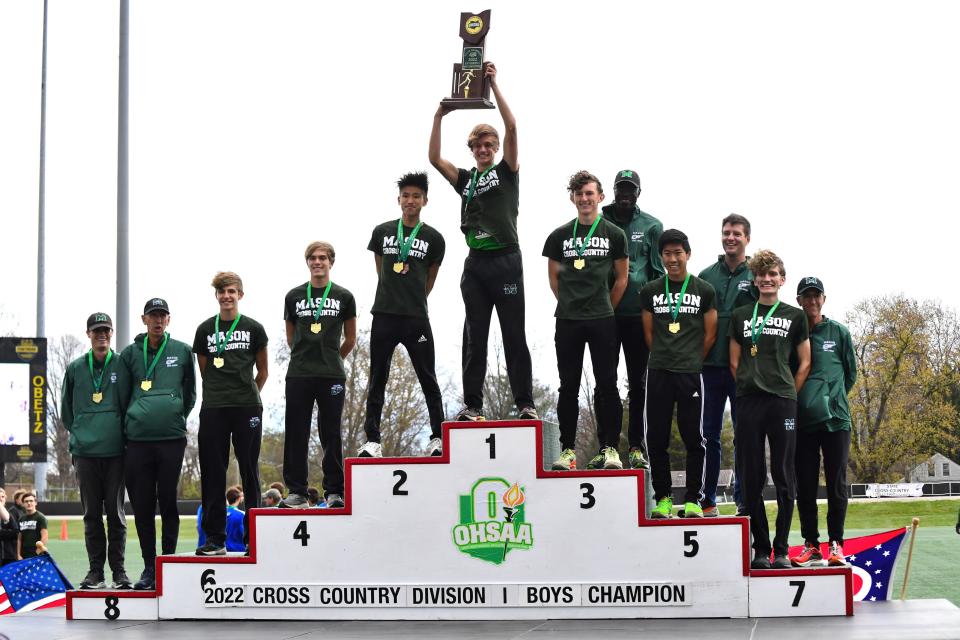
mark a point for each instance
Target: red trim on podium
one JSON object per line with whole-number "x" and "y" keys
{"x": 126, "y": 593}
{"x": 846, "y": 572}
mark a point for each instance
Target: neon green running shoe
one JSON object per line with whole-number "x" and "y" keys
{"x": 692, "y": 510}
{"x": 664, "y": 508}
{"x": 566, "y": 461}
{"x": 611, "y": 459}
{"x": 637, "y": 460}
{"x": 596, "y": 462}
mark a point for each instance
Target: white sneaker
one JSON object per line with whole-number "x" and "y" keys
{"x": 435, "y": 447}
{"x": 371, "y": 450}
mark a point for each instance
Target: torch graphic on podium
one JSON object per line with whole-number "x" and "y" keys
{"x": 512, "y": 498}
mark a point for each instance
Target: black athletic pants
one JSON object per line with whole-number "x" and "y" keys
{"x": 760, "y": 417}
{"x": 152, "y": 473}
{"x": 218, "y": 426}
{"x": 101, "y": 490}
{"x": 635, "y": 353}
{"x": 835, "y": 446}
{"x": 570, "y": 339}
{"x": 302, "y": 393}
{"x": 495, "y": 279}
{"x": 685, "y": 390}
{"x": 415, "y": 334}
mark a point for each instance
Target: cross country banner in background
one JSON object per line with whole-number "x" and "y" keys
{"x": 872, "y": 559}
{"x": 34, "y": 583}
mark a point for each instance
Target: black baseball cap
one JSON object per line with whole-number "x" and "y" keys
{"x": 156, "y": 304}
{"x": 98, "y": 320}
{"x": 627, "y": 175}
{"x": 810, "y": 282}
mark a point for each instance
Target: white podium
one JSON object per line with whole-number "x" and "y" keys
{"x": 482, "y": 532}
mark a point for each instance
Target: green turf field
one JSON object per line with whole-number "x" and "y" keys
{"x": 932, "y": 575}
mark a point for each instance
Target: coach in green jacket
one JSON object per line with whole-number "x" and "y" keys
{"x": 94, "y": 396}
{"x": 823, "y": 426}
{"x": 643, "y": 237}
{"x": 163, "y": 392}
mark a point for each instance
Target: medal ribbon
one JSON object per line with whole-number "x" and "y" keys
{"x": 156, "y": 358}
{"x": 586, "y": 239}
{"x": 216, "y": 328}
{"x": 323, "y": 301}
{"x": 754, "y": 330}
{"x": 675, "y": 311}
{"x": 473, "y": 185}
{"x": 98, "y": 380}
{"x": 405, "y": 244}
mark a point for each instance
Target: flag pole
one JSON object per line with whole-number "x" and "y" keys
{"x": 906, "y": 574}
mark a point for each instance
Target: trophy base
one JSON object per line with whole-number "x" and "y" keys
{"x": 467, "y": 103}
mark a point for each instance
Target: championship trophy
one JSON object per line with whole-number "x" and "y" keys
{"x": 470, "y": 88}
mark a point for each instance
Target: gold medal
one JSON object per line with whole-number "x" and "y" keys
{"x": 753, "y": 350}
{"x": 398, "y": 267}
{"x": 97, "y": 397}
{"x": 218, "y": 362}
{"x": 579, "y": 263}
{"x": 674, "y": 327}
{"x": 315, "y": 327}
{"x": 146, "y": 385}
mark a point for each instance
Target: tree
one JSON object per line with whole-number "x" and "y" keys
{"x": 60, "y": 353}
{"x": 902, "y": 407}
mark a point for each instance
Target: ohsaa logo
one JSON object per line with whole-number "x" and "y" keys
{"x": 493, "y": 521}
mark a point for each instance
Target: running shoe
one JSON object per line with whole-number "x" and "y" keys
{"x": 529, "y": 413}
{"x": 147, "y": 581}
{"x": 469, "y": 414}
{"x": 434, "y": 447}
{"x": 664, "y": 508}
{"x": 636, "y": 459}
{"x": 596, "y": 462}
{"x": 692, "y": 510}
{"x": 120, "y": 580}
{"x": 371, "y": 450}
{"x": 711, "y": 511}
{"x": 611, "y": 459}
{"x": 294, "y": 501}
{"x": 94, "y": 580}
{"x": 334, "y": 501}
{"x": 780, "y": 561}
{"x": 566, "y": 461}
{"x": 761, "y": 560}
{"x": 810, "y": 556}
{"x": 836, "y": 559}
{"x": 211, "y": 549}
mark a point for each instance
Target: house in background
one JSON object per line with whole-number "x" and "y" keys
{"x": 937, "y": 468}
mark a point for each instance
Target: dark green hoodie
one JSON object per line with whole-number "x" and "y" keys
{"x": 643, "y": 235}
{"x": 734, "y": 289}
{"x": 96, "y": 428}
{"x": 822, "y": 402}
{"x": 159, "y": 413}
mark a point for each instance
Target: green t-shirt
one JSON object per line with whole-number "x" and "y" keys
{"x": 680, "y": 352}
{"x": 584, "y": 294}
{"x": 30, "y": 528}
{"x": 404, "y": 294}
{"x": 494, "y": 207}
{"x": 231, "y": 385}
{"x": 769, "y": 371}
{"x": 317, "y": 355}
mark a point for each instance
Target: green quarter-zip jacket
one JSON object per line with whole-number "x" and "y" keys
{"x": 643, "y": 235}
{"x": 822, "y": 402}
{"x": 160, "y": 412}
{"x": 96, "y": 428}
{"x": 734, "y": 289}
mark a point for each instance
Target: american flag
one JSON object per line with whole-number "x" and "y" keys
{"x": 872, "y": 559}
{"x": 34, "y": 583}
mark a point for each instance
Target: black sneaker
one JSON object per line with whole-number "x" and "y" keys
{"x": 334, "y": 501}
{"x": 294, "y": 501}
{"x": 94, "y": 580}
{"x": 469, "y": 414}
{"x": 211, "y": 549}
{"x": 120, "y": 580}
{"x": 760, "y": 560}
{"x": 781, "y": 561}
{"x": 742, "y": 511}
{"x": 147, "y": 581}
{"x": 529, "y": 413}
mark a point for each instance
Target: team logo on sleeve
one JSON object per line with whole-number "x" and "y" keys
{"x": 493, "y": 521}
{"x": 829, "y": 345}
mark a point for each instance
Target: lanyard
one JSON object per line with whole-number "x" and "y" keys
{"x": 754, "y": 330}
{"x": 216, "y": 328}
{"x": 98, "y": 380}
{"x": 405, "y": 244}
{"x": 323, "y": 301}
{"x": 675, "y": 310}
{"x": 156, "y": 358}
{"x": 586, "y": 240}
{"x": 473, "y": 185}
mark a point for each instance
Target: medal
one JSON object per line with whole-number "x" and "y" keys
{"x": 579, "y": 263}
{"x": 315, "y": 327}
{"x": 146, "y": 385}
{"x": 753, "y": 350}
{"x": 98, "y": 379}
{"x": 674, "y": 327}
{"x": 97, "y": 397}
{"x": 398, "y": 267}
{"x": 218, "y": 362}
{"x": 756, "y": 330}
